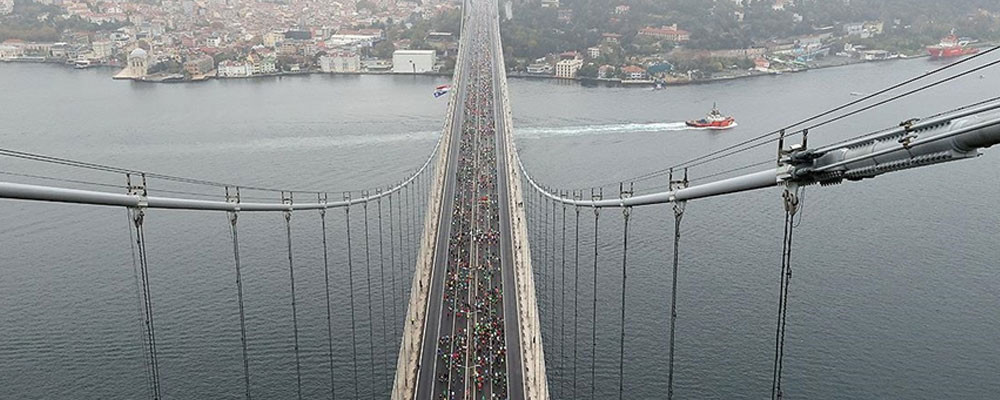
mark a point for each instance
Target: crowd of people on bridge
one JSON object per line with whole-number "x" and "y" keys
{"x": 472, "y": 349}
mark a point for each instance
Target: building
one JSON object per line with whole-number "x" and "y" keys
{"x": 233, "y": 69}
{"x": 670, "y": 33}
{"x": 262, "y": 65}
{"x": 138, "y": 63}
{"x": 273, "y": 38}
{"x": 413, "y": 61}
{"x": 6, "y": 7}
{"x": 634, "y": 73}
{"x": 199, "y": 65}
{"x": 550, "y": 3}
{"x": 593, "y": 52}
{"x": 102, "y": 50}
{"x": 622, "y": 9}
{"x": 611, "y": 38}
{"x": 568, "y": 68}
{"x": 363, "y": 38}
{"x": 8, "y": 52}
{"x": 340, "y": 62}
{"x": 540, "y": 68}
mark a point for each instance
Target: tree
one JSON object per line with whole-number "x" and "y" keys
{"x": 384, "y": 49}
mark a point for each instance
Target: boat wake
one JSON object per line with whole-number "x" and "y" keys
{"x": 540, "y": 132}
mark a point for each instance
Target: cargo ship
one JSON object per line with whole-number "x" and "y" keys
{"x": 951, "y": 46}
{"x": 714, "y": 120}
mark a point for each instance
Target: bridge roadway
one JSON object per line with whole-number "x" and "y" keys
{"x": 471, "y": 347}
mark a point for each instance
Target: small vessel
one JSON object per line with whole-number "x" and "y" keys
{"x": 81, "y": 63}
{"x": 714, "y": 120}
{"x": 951, "y": 46}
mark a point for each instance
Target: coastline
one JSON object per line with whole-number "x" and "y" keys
{"x": 178, "y": 78}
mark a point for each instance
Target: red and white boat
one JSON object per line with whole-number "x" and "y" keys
{"x": 714, "y": 120}
{"x": 951, "y": 46}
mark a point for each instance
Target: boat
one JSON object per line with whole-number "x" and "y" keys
{"x": 714, "y": 120}
{"x": 81, "y": 63}
{"x": 951, "y": 46}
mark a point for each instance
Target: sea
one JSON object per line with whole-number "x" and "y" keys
{"x": 895, "y": 292}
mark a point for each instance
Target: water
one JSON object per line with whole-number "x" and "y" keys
{"x": 894, "y": 294}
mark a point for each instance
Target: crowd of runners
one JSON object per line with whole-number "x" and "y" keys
{"x": 471, "y": 351}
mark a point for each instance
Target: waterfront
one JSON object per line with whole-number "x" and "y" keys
{"x": 894, "y": 295}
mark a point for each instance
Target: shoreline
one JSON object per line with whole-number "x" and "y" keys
{"x": 646, "y": 84}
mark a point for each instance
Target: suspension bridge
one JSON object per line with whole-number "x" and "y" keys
{"x": 461, "y": 227}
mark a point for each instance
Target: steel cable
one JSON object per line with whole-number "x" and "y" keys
{"x": 295, "y": 318}
{"x": 233, "y": 218}
{"x": 329, "y": 313}
{"x": 621, "y": 358}
{"x": 368, "y": 277}
{"x": 350, "y": 279}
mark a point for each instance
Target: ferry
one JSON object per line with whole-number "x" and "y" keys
{"x": 714, "y": 120}
{"x": 81, "y": 63}
{"x": 951, "y": 46}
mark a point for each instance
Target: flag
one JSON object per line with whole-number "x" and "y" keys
{"x": 441, "y": 90}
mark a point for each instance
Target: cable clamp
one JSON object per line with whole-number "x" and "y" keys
{"x": 138, "y": 190}
{"x": 321, "y": 198}
{"x": 286, "y": 199}
{"x": 791, "y": 198}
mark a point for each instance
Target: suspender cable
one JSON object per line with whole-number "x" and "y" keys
{"x": 576, "y": 292}
{"x": 368, "y": 276}
{"x": 545, "y": 265}
{"x": 139, "y": 302}
{"x": 409, "y": 230}
{"x": 562, "y": 309}
{"x": 329, "y": 313}
{"x": 627, "y": 211}
{"x": 593, "y": 350}
{"x": 552, "y": 280}
{"x": 233, "y": 217}
{"x": 138, "y": 215}
{"x": 295, "y": 317}
{"x": 678, "y": 215}
{"x": 791, "y": 202}
{"x": 381, "y": 272}
{"x": 392, "y": 269}
{"x": 350, "y": 279}
{"x": 402, "y": 253}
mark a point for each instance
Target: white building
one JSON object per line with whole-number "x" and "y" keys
{"x": 594, "y": 52}
{"x": 568, "y": 68}
{"x": 9, "y": 52}
{"x": 340, "y": 62}
{"x": 138, "y": 63}
{"x": 6, "y": 7}
{"x": 413, "y": 61}
{"x": 102, "y": 50}
{"x": 233, "y": 69}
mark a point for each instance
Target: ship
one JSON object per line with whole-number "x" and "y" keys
{"x": 714, "y": 120}
{"x": 951, "y": 46}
